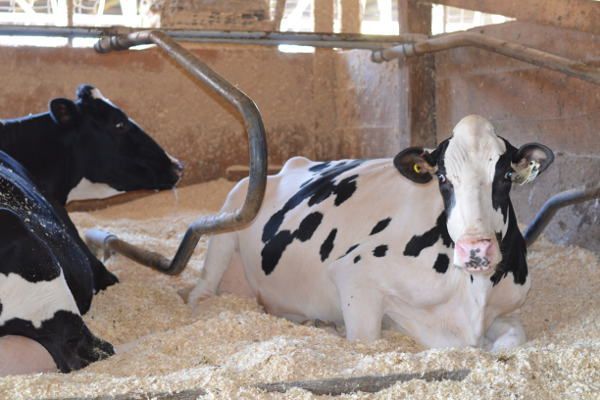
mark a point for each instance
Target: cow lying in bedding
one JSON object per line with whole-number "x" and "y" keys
{"x": 87, "y": 149}
{"x": 361, "y": 242}
{"x": 78, "y": 150}
{"x": 46, "y": 280}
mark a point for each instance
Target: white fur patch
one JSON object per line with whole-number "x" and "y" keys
{"x": 97, "y": 94}
{"x": 34, "y": 301}
{"x": 87, "y": 190}
{"x": 470, "y": 161}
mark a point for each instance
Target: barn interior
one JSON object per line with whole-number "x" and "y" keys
{"x": 324, "y": 102}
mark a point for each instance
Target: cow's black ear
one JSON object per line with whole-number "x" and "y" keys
{"x": 529, "y": 161}
{"x": 416, "y": 164}
{"x": 64, "y": 112}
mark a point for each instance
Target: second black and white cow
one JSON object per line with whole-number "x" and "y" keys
{"x": 87, "y": 148}
{"x": 46, "y": 281}
{"x": 427, "y": 241}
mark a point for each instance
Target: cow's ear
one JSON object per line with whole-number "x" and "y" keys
{"x": 529, "y": 161}
{"x": 416, "y": 164}
{"x": 64, "y": 112}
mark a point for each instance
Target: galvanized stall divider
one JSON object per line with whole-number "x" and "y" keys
{"x": 530, "y": 55}
{"x": 555, "y": 203}
{"x": 257, "y": 150}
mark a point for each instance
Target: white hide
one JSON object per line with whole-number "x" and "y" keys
{"x": 34, "y": 301}
{"x": 87, "y": 190}
{"x": 455, "y": 308}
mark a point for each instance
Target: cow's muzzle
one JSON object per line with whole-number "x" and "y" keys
{"x": 476, "y": 254}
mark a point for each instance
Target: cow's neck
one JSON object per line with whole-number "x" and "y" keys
{"x": 38, "y": 144}
{"x": 514, "y": 252}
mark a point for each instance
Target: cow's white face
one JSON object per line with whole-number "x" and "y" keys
{"x": 466, "y": 175}
{"x": 475, "y": 169}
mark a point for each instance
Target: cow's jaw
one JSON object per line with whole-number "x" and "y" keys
{"x": 469, "y": 167}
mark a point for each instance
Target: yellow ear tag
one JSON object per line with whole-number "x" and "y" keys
{"x": 417, "y": 168}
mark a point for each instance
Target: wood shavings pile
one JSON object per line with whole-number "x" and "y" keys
{"x": 231, "y": 344}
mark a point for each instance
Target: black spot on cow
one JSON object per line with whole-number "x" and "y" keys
{"x": 306, "y": 182}
{"x": 354, "y": 246}
{"x": 380, "y": 250}
{"x": 316, "y": 191}
{"x": 419, "y": 242}
{"x": 308, "y": 226}
{"x": 356, "y": 259}
{"x": 320, "y": 166}
{"x": 350, "y": 249}
{"x": 327, "y": 245}
{"x": 381, "y": 225}
{"x": 0, "y": 308}
{"x": 471, "y": 278}
{"x": 273, "y": 250}
{"x": 441, "y": 263}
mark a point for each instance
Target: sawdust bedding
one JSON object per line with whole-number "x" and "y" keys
{"x": 231, "y": 344}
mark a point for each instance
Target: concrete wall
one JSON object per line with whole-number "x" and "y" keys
{"x": 528, "y": 104}
{"x": 325, "y": 105}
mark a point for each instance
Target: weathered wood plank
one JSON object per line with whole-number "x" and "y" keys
{"x": 367, "y": 384}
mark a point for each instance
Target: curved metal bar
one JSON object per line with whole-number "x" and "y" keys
{"x": 258, "y": 159}
{"x": 517, "y": 51}
{"x": 552, "y": 205}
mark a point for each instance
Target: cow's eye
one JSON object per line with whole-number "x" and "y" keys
{"x": 442, "y": 178}
{"x": 120, "y": 126}
{"x": 508, "y": 176}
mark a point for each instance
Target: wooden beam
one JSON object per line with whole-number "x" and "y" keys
{"x": 323, "y": 13}
{"x": 366, "y": 384}
{"x": 581, "y": 15}
{"x": 279, "y": 10}
{"x": 417, "y": 77}
{"x": 351, "y": 16}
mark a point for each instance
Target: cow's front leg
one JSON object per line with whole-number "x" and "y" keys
{"x": 361, "y": 304}
{"x": 218, "y": 256}
{"x": 505, "y": 333}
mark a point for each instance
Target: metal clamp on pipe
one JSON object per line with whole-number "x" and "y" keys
{"x": 517, "y": 51}
{"x": 552, "y": 205}
{"x": 257, "y": 151}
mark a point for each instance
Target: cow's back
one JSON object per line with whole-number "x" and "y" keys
{"x": 314, "y": 214}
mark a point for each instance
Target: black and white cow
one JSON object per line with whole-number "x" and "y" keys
{"x": 46, "y": 282}
{"x": 87, "y": 148}
{"x": 369, "y": 241}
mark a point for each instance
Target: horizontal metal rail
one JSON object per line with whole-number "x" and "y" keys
{"x": 257, "y": 151}
{"x": 552, "y": 205}
{"x": 327, "y": 40}
{"x": 517, "y": 51}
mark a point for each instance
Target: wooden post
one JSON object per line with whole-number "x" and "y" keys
{"x": 351, "y": 16}
{"x": 417, "y": 110}
{"x": 323, "y": 84}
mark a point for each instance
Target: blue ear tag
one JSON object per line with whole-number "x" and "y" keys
{"x": 527, "y": 174}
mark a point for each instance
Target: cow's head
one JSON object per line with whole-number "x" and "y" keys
{"x": 109, "y": 147}
{"x": 475, "y": 170}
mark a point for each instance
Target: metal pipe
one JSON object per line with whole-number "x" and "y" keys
{"x": 552, "y": 205}
{"x": 257, "y": 151}
{"x": 327, "y": 40}
{"x": 517, "y": 51}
